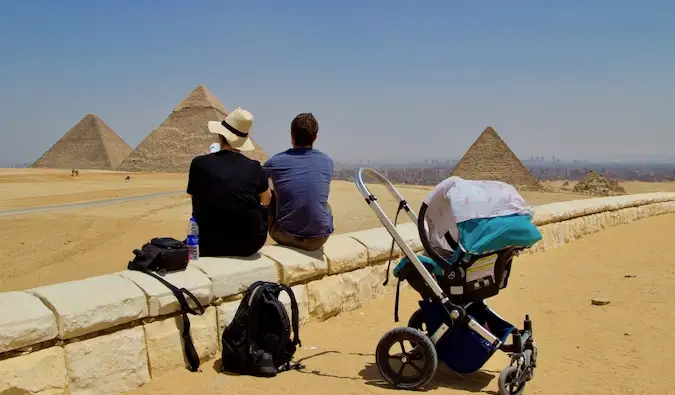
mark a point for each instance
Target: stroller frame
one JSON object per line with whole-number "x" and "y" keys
{"x": 523, "y": 351}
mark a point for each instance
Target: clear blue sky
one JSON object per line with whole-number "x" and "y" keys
{"x": 386, "y": 79}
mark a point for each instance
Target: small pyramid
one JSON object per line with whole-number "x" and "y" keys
{"x": 489, "y": 158}
{"x": 182, "y": 136}
{"x": 90, "y": 144}
{"x": 596, "y": 184}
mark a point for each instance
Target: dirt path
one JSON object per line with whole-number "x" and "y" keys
{"x": 625, "y": 347}
{"x": 87, "y": 203}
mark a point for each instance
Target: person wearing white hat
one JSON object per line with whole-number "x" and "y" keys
{"x": 230, "y": 192}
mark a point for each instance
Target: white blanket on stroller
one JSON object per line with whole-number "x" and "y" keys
{"x": 456, "y": 200}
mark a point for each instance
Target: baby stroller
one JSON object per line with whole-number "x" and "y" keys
{"x": 467, "y": 259}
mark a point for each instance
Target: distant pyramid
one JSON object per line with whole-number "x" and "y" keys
{"x": 489, "y": 158}
{"x": 182, "y": 136}
{"x": 90, "y": 144}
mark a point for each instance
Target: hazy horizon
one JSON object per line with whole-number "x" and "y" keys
{"x": 575, "y": 80}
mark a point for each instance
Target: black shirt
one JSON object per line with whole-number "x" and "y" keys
{"x": 225, "y": 188}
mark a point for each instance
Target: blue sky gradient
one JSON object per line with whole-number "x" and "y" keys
{"x": 397, "y": 80}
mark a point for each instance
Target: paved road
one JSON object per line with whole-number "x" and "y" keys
{"x": 40, "y": 209}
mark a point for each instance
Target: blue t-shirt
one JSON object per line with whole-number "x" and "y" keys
{"x": 301, "y": 179}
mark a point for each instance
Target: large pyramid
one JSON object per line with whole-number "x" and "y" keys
{"x": 182, "y": 136}
{"x": 90, "y": 144}
{"x": 489, "y": 158}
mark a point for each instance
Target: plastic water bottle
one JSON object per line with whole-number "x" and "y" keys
{"x": 193, "y": 239}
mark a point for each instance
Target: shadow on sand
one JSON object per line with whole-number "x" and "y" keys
{"x": 370, "y": 375}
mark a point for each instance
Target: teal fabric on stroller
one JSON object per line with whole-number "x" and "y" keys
{"x": 485, "y": 235}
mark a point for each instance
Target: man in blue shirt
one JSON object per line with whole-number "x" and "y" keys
{"x": 299, "y": 212}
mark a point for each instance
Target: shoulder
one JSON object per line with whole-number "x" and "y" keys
{"x": 276, "y": 159}
{"x": 251, "y": 163}
{"x": 198, "y": 160}
{"x": 323, "y": 157}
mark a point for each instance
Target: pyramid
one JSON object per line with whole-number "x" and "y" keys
{"x": 90, "y": 144}
{"x": 182, "y": 136}
{"x": 596, "y": 184}
{"x": 489, "y": 158}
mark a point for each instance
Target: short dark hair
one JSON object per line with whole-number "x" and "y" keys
{"x": 304, "y": 129}
{"x": 223, "y": 142}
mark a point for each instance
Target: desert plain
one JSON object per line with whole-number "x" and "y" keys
{"x": 621, "y": 348}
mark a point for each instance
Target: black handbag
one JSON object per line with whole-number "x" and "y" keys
{"x": 161, "y": 254}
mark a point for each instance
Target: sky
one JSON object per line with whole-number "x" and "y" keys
{"x": 387, "y": 80}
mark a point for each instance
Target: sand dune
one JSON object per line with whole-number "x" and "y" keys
{"x": 71, "y": 244}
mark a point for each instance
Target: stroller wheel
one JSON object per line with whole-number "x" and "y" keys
{"x": 406, "y": 358}
{"x": 417, "y": 321}
{"x": 508, "y": 382}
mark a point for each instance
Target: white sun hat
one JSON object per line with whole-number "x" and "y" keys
{"x": 235, "y": 129}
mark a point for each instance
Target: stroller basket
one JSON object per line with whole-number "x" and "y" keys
{"x": 462, "y": 350}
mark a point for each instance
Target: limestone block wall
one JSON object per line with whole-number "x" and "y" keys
{"x": 112, "y": 333}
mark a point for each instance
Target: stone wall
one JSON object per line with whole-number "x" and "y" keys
{"x": 112, "y": 333}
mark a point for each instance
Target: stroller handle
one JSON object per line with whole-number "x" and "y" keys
{"x": 372, "y": 202}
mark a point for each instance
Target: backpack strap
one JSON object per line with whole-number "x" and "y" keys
{"x": 295, "y": 319}
{"x": 253, "y": 303}
{"x": 188, "y": 345}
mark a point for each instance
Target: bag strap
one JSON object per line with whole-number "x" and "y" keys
{"x": 295, "y": 320}
{"x": 253, "y": 301}
{"x": 188, "y": 345}
{"x": 180, "y": 294}
{"x": 401, "y": 206}
{"x": 396, "y": 303}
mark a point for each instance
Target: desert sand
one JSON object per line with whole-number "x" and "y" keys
{"x": 70, "y": 244}
{"x": 621, "y": 348}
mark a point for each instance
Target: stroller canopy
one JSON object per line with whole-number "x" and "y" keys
{"x": 480, "y": 216}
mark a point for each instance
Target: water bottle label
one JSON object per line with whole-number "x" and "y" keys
{"x": 192, "y": 240}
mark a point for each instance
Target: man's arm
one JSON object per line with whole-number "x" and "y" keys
{"x": 265, "y": 194}
{"x": 266, "y": 198}
{"x": 192, "y": 177}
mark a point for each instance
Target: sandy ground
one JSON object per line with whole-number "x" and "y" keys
{"x": 51, "y": 247}
{"x": 625, "y": 347}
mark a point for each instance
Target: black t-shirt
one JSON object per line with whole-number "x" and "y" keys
{"x": 225, "y": 188}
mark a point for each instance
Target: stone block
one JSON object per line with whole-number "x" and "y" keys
{"x": 24, "y": 320}
{"x": 297, "y": 265}
{"x": 231, "y": 276}
{"x": 225, "y": 314}
{"x": 300, "y": 292}
{"x": 358, "y": 286}
{"x": 108, "y": 364}
{"x": 377, "y": 278}
{"x": 40, "y": 373}
{"x": 378, "y": 243}
{"x": 326, "y": 297}
{"x": 92, "y": 304}
{"x": 410, "y": 235}
{"x": 165, "y": 345}
{"x": 161, "y": 300}
{"x": 344, "y": 254}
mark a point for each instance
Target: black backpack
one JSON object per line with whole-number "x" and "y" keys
{"x": 165, "y": 255}
{"x": 258, "y": 341}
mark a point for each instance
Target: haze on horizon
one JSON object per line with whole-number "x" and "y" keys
{"x": 388, "y": 80}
